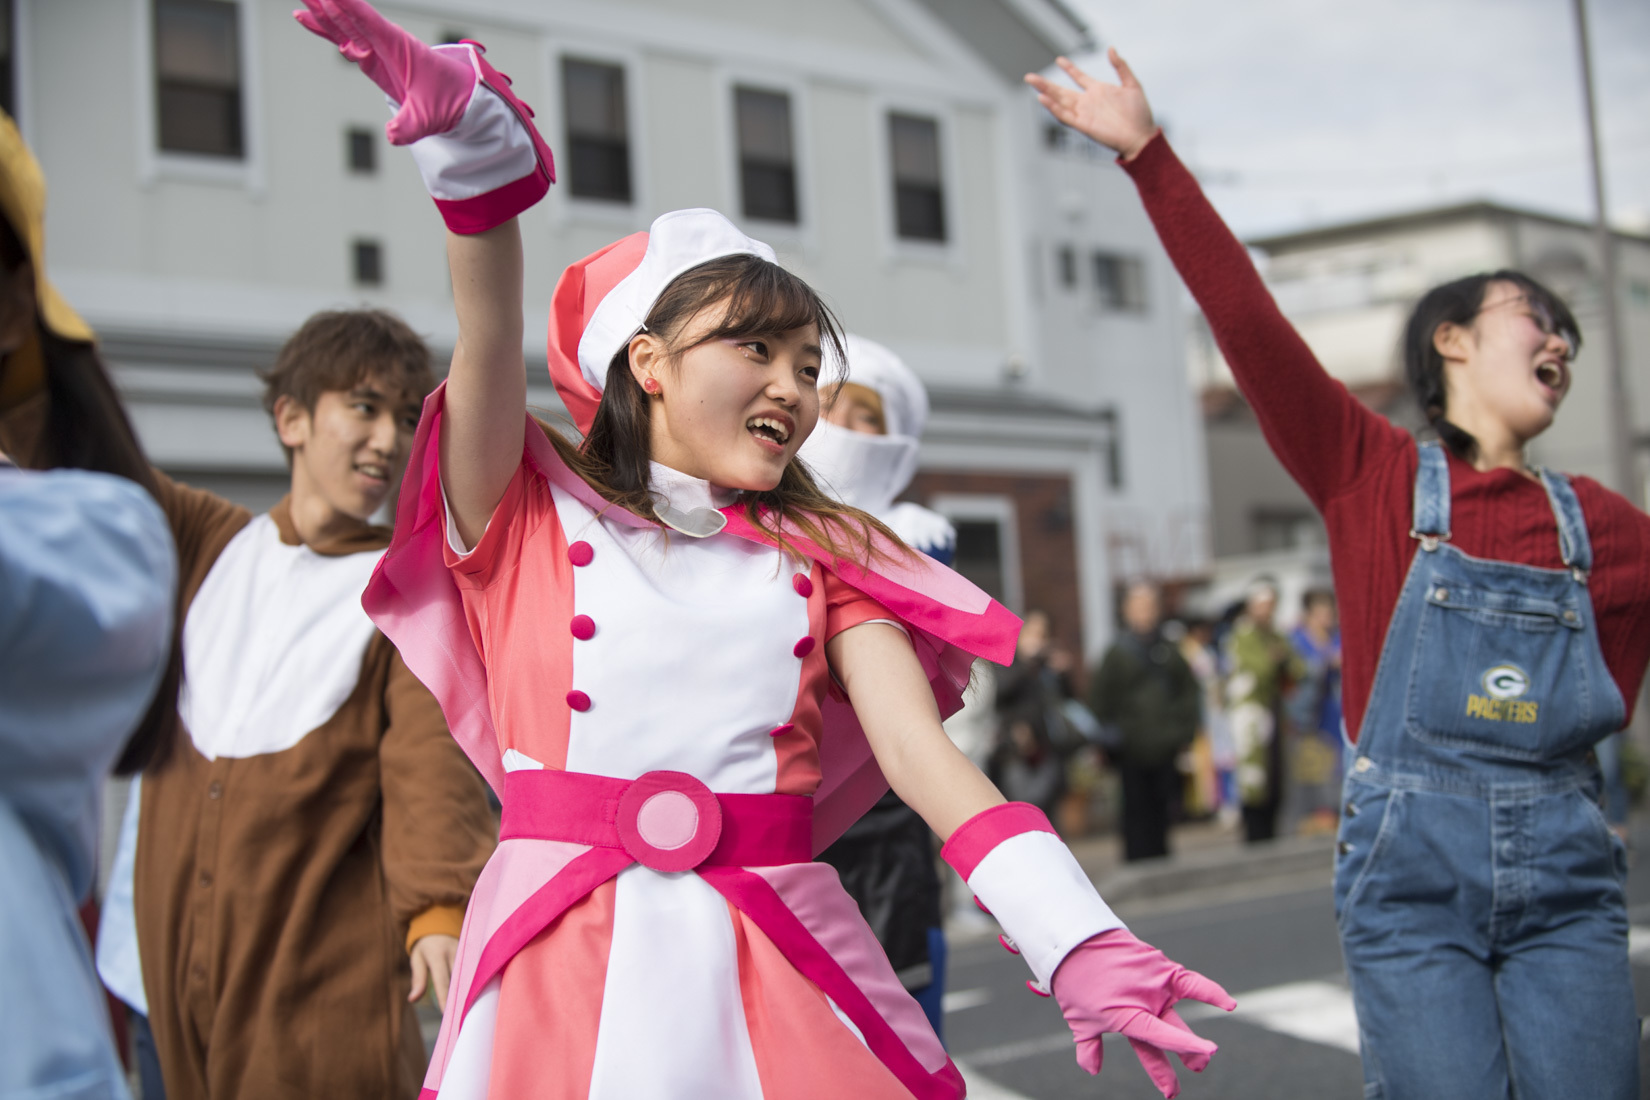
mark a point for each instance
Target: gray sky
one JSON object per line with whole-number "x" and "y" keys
{"x": 1301, "y": 112}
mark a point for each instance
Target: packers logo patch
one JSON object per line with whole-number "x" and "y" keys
{"x": 1503, "y": 700}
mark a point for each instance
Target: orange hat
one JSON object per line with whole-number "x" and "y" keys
{"x": 23, "y": 205}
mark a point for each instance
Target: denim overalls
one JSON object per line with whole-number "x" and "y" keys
{"x": 1478, "y": 890}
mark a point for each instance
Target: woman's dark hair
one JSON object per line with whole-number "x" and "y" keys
{"x": 1459, "y": 303}
{"x": 85, "y": 427}
{"x": 756, "y": 298}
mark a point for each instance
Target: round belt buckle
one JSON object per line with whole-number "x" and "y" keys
{"x": 669, "y": 821}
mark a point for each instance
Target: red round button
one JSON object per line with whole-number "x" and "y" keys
{"x": 804, "y": 587}
{"x": 804, "y": 647}
{"x": 578, "y": 700}
{"x": 780, "y": 731}
{"x": 583, "y": 627}
{"x": 580, "y": 553}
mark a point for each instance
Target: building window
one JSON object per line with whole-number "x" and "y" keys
{"x": 598, "y": 142}
{"x": 1121, "y": 281}
{"x": 8, "y": 56}
{"x": 368, "y": 259}
{"x": 767, "y": 157}
{"x": 919, "y": 196}
{"x": 198, "y": 77}
{"x": 980, "y": 555}
{"x": 361, "y": 151}
{"x": 1066, "y": 260}
{"x": 1285, "y": 529}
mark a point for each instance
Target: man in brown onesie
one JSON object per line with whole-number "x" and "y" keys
{"x": 303, "y": 857}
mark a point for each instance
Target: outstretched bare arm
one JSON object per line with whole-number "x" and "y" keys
{"x": 481, "y": 433}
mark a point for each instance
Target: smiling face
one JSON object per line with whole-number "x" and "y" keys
{"x": 733, "y": 410}
{"x": 1507, "y": 372}
{"x": 348, "y": 453}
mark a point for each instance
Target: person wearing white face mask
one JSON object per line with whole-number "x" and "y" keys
{"x": 864, "y": 451}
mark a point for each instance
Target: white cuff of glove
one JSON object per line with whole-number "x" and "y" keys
{"x": 1025, "y": 876}
{"x": 488, "y": 168}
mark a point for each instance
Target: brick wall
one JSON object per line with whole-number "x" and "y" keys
{"x": 1048, "y": 540}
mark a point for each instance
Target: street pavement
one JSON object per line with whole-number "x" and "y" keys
{"x": 1268, "y": 937}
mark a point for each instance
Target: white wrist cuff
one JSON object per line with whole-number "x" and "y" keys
{"x": 1032, "y": 884}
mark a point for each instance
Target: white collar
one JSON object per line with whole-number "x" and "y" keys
{"x": 687, "y": 504}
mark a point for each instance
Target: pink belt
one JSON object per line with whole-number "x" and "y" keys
{"x": 668, "y": 821}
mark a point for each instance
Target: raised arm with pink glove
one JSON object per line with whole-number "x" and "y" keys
{"x": 1102, "y": 977}
{"x": 482, "y": 159}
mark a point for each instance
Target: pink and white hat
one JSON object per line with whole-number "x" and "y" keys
{"x": 603, "y": 300}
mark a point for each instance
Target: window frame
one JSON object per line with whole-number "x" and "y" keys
{"x": 991, "y": 508}
{"x": 564, "y": 205}
{"x": 896, "y": 249}
{"x": 1104, "y": 305}
{"x": 156, "y": 164}
{"x": 731, "y": 78}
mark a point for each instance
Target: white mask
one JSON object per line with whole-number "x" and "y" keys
{"x": 866, "y": 471}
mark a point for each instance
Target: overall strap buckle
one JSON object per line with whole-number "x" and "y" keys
{"x": 1429, "y": 542}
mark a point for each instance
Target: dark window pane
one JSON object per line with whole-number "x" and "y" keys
{"x": 8, "y": 54}
{"x": 593, "y": 98}
{"x": 919, "y": 212}
{"x": 980, "y": 554}
{"x": 916, "y": 148}
{"x": 369, "y": 263}
{"x": 1067, "y": 257}
{"x": 767, "y": 165}
{"x": 599, "y": 169}
{"x": 919, "y": 200}
{"x": 199, "y": 120}
{"x": 361, "y": 151}
{"x": 1120, "y": 281}
{"x": 769, "y": 191}
{"x": 198, "y": 77}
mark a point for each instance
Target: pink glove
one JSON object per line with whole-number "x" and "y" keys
{"x": 433, "y": 87}
{"x": 1115, "y": 982}
{"x": 1102, "y": 977}
{"x": 482, "y": 159}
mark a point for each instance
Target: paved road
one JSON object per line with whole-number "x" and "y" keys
{"x": 1271, "y": 944}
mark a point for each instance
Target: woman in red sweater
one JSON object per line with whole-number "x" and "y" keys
{"x": 1497, "y": 624}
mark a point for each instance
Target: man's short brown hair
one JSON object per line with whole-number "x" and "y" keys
{"x": 337, "y": 350}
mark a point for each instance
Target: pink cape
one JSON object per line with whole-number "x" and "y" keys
{"x": 414, "y": 600}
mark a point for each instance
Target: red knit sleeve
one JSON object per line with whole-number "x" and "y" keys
{"x": 1323, "y": 435}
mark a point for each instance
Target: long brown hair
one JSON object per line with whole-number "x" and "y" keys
{"x": 758, "y": 298}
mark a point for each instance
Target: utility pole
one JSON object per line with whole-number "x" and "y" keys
{"x": 1622, "y": 448}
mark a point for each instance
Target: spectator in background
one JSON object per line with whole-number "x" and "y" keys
{"x": 87, "y": 584}
{"x": 1315, "y": 709}
{"x": 1211, "y": 755}
{"x": 1147, "y": 693}
{"x": 1261, "y": 666}
{"x": 864, "y": 452}
{"x": 1032, "y": 734}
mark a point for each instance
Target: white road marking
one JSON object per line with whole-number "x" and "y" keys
{"x": 983, "y": 1088}
{"x": 1638, "y": 941}
{"x": 959, "y": 999}
{"x": 1023, "y": 1048}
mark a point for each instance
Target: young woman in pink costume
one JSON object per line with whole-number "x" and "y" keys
{"x": 650, "y": 644}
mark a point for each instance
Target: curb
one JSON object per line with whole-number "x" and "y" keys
{"x": 1200, "y": 870}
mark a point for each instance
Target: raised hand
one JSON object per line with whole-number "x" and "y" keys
{"x": 431, "y": 87}
{"x": 1115, "y": 982}
{"x": 1115, "y": 115}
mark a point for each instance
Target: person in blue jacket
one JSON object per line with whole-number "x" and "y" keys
{"x": 87, "y": 574}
